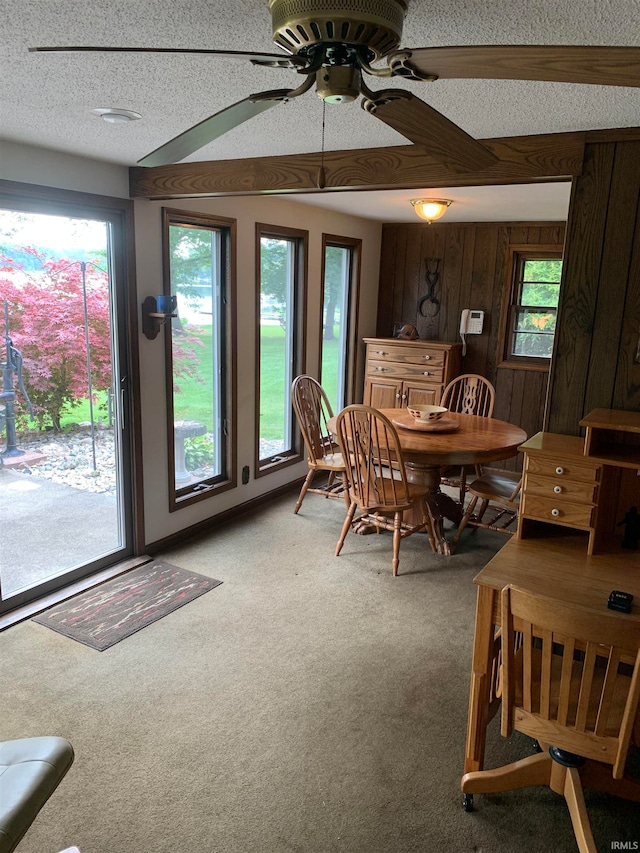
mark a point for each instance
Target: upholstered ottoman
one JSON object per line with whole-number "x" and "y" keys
{"x": 30, "y": 771}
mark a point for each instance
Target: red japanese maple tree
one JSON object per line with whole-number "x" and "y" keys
{"x": 47, "y": 325}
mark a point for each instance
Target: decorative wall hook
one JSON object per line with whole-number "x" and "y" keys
{"x": 429, "y": 306}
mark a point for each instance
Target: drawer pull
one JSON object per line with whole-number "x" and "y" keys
{"x": 404, "y": 397}
{"x": 555, "y": 513}
{"x": 381, "y": 352}
{"x": 398, "y": 396}
{"x": 557, "y": 489}
{"x": 426, "y": 373}
{"x": 381, "y": 369}
{"x": 427, "y": 358}
{"x": 559, "y": 470}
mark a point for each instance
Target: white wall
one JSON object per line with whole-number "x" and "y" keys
{"x": 31, "y": 165}
{"x": 247, "y": 211}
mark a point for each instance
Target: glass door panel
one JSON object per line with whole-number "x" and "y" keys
{"x": 64, "y": 494}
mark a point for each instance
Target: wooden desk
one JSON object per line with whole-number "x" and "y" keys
{"x": 556, "y": 565}
{"x": 478, "y": 440}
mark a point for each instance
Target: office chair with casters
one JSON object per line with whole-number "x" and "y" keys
{"x": 30, "y": 771}
{"x": 313, "y": 411}
{"x": 377, "y": 479}
{"x": 490, "y": 489}
{"x": 571, "y": 682}
{"x": 469, "y": 394}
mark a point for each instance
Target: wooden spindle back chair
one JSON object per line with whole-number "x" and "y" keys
{"x": 468, "y": 394}
{"x": 499, "y": 499}
{"x": 313, "y": 411}
{"x": 376, "y": 477}
{"x": 571, "y": 680}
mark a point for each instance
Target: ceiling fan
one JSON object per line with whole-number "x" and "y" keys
{"x": 333, "y": 43}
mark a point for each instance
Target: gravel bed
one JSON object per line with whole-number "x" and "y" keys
{"x": 69, "y": 458}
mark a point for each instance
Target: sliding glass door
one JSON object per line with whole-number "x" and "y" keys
{"x": 65, "y": 469}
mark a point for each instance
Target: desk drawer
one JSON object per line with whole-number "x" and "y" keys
{"x": 566, "y": 469}
{"x": 558, "y": 488}
{"x": 557, "y": 511}
{"x": 393, "y": 369}
{"x": 405, "y": 355}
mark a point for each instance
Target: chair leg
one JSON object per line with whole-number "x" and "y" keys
{"x": 397, "y": 523}
{"x": 483, "y": 508}
{"x": 303, "y": 490}
{"x": 463, "y": 484}
{"x": 574, "y": 796}
{"x": 345, "y": 527}
{"x": 345, "y": 491}
{"x": 465, "y": 519}
{"x": 534, "y": 770}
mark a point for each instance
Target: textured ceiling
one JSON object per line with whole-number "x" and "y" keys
{"x": 45, "y": 99}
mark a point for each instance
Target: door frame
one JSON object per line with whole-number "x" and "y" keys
{"x": 32, "y": 198}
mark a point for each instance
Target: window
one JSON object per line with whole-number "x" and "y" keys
{"x": 341, "y": 258}
{"x": 282, "y": 256}
{"x": 531, "y": 315}
{"x": 199, "y": 346}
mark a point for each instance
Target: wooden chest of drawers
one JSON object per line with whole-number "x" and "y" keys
{"x": 400, "y": 373}
{"x": 561, "y": 485}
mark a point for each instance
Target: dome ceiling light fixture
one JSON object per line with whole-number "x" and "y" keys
{"x": 114, "y": 115}
{"x": 430, "y": 209}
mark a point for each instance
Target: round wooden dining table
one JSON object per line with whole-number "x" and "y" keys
{"x": 474, "y": 440}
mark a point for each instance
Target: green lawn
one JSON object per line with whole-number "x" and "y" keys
{"x": 193, "y": 402}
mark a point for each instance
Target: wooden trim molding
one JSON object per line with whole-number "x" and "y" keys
{"x": 521, "y": 159}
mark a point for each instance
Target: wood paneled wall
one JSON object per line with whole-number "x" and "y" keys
{"x": 597, "y": 358}
{"x": 473, "y": 274}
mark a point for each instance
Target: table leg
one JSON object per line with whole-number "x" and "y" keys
{"x": 480, "y": 689}
{"x": 440, "y": 506}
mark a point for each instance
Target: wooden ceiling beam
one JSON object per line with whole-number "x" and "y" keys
{"x": 521, "y": 159}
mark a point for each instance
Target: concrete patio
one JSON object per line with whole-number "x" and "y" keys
{"x": 49, "y": 527}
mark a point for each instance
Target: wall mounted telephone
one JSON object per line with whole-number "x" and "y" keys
{"x": 471, "y": 323}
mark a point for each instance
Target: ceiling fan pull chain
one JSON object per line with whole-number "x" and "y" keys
{"x": 322, "y": 172}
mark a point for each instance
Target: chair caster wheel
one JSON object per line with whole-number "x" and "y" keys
{"x": 536, "y": 746}
{"x": 467, "y": 802}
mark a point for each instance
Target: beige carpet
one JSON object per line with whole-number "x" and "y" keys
{"x": 312, "y": 704}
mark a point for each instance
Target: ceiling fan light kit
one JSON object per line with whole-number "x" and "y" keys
{"x": 430, "y": 209}
{"x": 333, "y": 43}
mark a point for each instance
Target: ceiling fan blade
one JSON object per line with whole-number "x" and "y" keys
{"x": 275, "y": 59}
{"x": 211, "y": 128}
{"x": 604, "y": 66}
{"x": 425, "y": 126}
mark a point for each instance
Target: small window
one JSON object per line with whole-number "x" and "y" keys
{"x": 279, "y": 343}
{"x": 530, "y": 324}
